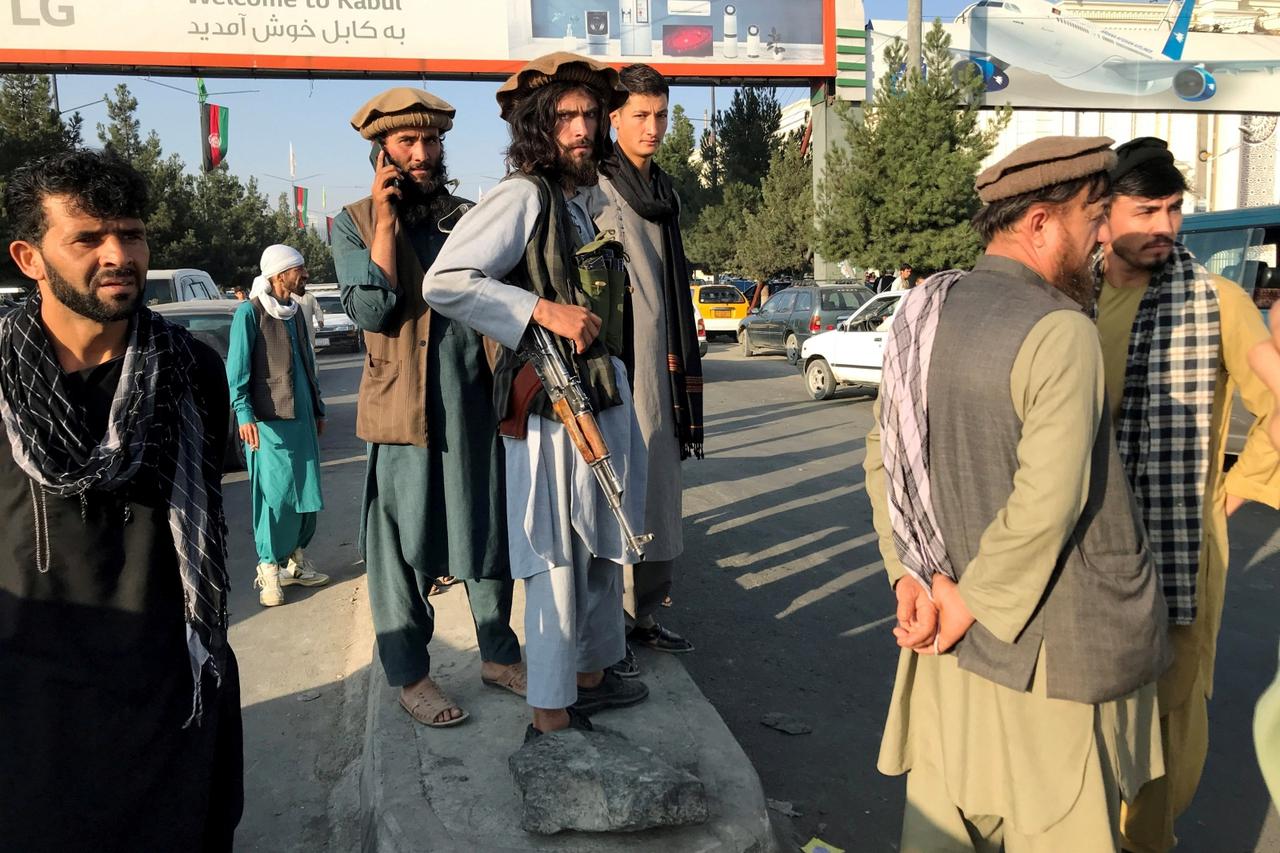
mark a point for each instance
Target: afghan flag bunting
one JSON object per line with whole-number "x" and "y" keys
{"x": 213, "y": 132}
{"x": 328, "y": 229}
{"x": 300, "y": 205}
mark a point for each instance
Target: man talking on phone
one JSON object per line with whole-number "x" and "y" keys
{"x": 433, "y": 495}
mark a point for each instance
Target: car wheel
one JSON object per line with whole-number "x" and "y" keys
{"x": 702, "y": 349}
{"x": 744, "y": 341}
{"x": 818, "y": 379}
{"x": 793, "y": 349}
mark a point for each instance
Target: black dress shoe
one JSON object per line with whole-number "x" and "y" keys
{"x": 628, "y": 667}
{"x": 611, "y": 692}
{"x": 577, "y": 720}
{"x": 660, "y": 639}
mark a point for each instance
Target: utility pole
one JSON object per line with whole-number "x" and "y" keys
{"x": 915, "y": 35}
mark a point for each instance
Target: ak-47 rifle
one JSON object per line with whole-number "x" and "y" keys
{"x": 573, "y": 407}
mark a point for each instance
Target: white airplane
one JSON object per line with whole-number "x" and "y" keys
{"x": 1044, "y": 38}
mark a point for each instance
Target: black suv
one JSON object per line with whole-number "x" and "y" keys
{"x": 792, "y": 316}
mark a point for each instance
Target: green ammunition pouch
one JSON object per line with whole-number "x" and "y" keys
{"x": 602, "y": 275}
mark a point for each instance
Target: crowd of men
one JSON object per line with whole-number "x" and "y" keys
{"x": 1056, "y": 542}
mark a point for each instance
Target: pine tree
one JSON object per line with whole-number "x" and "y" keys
{"x": 712, "y": 243}
{"x": 902, "y": 188}
{"x": 675, "y": 157}
{"x": 748, "y": 134}
{"x": 778, "y": 236}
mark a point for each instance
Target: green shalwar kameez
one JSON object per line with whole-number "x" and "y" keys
{"x": 284, "y": 472}
{"x": 435, "y": 511}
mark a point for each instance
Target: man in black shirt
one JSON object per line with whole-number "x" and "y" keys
{"x": 119, "y": 697}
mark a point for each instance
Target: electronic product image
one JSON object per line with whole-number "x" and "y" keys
{"x": 730, "y": 31}
{"x": 597, "y": 32}
{"x": 701, "y": 8}
{"x": 635, "y": 28}
{"x": 753, "y": 42}
{"x": 687, "y": 40}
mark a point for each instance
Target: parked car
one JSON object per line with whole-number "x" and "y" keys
{"x": 333, "y": 327}
{"x": 853, "y": 352}
{"x": 800, "y": 311}
{"x": 702, "y": 331}
{"x": 209, "y": 321}
{"x": 181, "y": 285}
{"x": 722, "y": 307}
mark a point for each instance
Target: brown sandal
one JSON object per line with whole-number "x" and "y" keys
{"x": 513, "y": 678}
{"x": 441, "y": 585}
{"x": 429, "y": 702}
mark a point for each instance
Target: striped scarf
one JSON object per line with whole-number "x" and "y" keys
{"x": 157, "y": 423}
{"x": 904, "y": 429}
{"x": 1164, "y": 425}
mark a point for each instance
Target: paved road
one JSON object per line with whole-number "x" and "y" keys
{"x": 780, "y": 587}
{"x": 782, "y": 590}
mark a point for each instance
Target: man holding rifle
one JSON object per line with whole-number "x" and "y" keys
{"x": 524, "y": 260}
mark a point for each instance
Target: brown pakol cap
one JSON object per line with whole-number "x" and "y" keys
{"x": 567, "y": 67}
{"x": 1046, "y": 161}
{"x": 402, "y": 107}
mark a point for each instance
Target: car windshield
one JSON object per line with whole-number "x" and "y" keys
{"x": 212, "y": 329}
{"x": 720, "y": 295}
{"x": 841, "y": 300}
{"x": 330, "y": 304}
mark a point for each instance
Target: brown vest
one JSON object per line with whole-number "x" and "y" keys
{"x": 392, "y": 405}
{"x": 271, "y": 383}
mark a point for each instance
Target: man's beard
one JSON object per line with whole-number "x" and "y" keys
{"x": 579, "y": 172}
{"x": 89, "y": 304}
{"x": 1077, "y": 282}
{"x": 421, "y": 203}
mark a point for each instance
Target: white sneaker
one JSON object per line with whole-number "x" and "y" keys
{"x": 268, "y": 581}
{"x": 299, "y": 570}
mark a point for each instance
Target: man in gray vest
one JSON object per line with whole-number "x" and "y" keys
{"x": 433, "y": 487}
{"x": 271, "y": 372}
{"x": 1029, "y": 615}
{"x": 644, "y": 213}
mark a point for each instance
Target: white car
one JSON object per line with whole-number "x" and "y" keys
{"x": 333, "y": 327}
{"x": 702, "y": 330}
{"x": 852, "y": 353}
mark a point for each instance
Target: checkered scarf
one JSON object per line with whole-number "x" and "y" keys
{"x": 1163, "y": 427}
{"x": 904, "y": 429}
{"x": 157, "y": 423}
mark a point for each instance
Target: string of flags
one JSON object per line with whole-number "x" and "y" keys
{"x": 214, "y": 130}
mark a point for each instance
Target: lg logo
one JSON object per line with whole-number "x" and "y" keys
{"x": 62, "y": 15}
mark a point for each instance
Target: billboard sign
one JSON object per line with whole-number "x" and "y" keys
{"x": 750, "y": 38}
{"x": 1041, "y": 55}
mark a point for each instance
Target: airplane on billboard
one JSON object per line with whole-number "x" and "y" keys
{"x": 1041, "y": 37}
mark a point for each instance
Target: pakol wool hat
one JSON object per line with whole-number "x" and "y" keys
{"x": 565, "y": 67}
{"x": 1043, "y": 163}
{"x": 400, "y": 108}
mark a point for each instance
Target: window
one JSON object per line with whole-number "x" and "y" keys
{"x": 212, "y": 329}
{"x": 158, "y": 290}
{"x": 780, "y": 304}
{"x": 330, "y": 304}
{"x": 840, "y": 300}
{"x": 804, "y": 300}
{"x": 720, "y": 296}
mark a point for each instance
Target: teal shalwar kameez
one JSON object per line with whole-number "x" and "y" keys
{"x": 437, "y": 510}
{"x": 284, "y": 472}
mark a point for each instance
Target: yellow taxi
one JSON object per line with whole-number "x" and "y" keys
{"x": 722, "y": 307}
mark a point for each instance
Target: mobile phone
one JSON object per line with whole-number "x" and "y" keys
{"x": 379, "y": 148}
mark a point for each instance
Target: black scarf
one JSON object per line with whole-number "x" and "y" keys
{"x": 655, "y": 200}
{"x": 157, "y": 423}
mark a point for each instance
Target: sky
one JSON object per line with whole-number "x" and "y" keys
{"x": 332, "y": 160}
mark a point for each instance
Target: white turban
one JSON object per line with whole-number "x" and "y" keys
{"x": 275, "y": 260}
